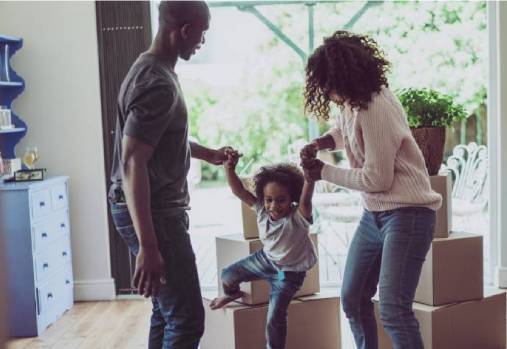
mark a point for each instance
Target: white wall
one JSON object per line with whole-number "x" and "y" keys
{"x": 61, "y": 106}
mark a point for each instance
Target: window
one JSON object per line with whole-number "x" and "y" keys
{"x": 245, "y": 89}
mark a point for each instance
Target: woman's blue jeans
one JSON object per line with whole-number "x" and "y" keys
{"x": 388, "y": 249}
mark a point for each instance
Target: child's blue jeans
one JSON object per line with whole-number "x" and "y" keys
{"x": 283, "y": 287}
{"x": 388, "y": 249}
{"x": 177, "y": 319}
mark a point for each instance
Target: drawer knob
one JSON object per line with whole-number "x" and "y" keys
{"x": 60, "y": 197}
{"x": 42, "y": 204}
{"x": 45, "y": 265}
{"x": 50, "y": 295}
{"x": 67, "y": 282}
{"x": 62, "y": 225}
{"x": 44, "y": 235}
{"x": 64, "y": 253}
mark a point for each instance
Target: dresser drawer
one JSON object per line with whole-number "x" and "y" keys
{"x": 40, "y": 203}
{"x": 42, "y": 235}
{"x": 67, "y": 290}
{"x": 60, "y": 223}
{"x": 53, "y": 259}
{"x": 49, "y": 229}
{"x": 44, "y": 266}
{"x": 59, "y": 197}
{"x": 46, "y": 296}
{"x": 56, "y": 295}
{"x": 63, "y": 256}
{"x": 55, "y": 290}
{"x": 44, "y": 319}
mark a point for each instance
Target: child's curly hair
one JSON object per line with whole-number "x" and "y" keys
{"x": 351, "y": 65}
{"x": 288, "y": 175}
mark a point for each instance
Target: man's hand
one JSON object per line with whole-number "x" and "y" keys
{"x": 149, "y": 270}
{"x": 309, "y": 151}
{"x": 313, "y": 170}
{"x": 220, "y": 155}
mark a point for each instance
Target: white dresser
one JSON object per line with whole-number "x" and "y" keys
{"x": 34, "y": 223}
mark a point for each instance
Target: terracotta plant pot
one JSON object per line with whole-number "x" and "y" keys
{"x": 431, "y": 141}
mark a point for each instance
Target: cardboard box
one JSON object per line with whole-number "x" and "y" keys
{"x": 314, "y": 323}
{"x": 478, "y": 324}
{"x": 453, "y": 270}
{"x": 232, "y": 248}
{"x": 249, "y": 220}
{"x": 442, "y": 184}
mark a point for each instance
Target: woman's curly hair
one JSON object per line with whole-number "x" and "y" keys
{"x": 351, "y": 65}
{"x": 285, "y": 174}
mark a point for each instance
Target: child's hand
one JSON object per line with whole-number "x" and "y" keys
{"x": 313, "y": 172}
{"x": 219, "y": 155}
{"x": 231, "y": 160}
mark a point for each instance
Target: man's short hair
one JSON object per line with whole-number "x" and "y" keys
{"x": 177, "y": 13}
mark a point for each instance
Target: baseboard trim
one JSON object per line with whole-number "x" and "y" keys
{"x": 94, "y": 290}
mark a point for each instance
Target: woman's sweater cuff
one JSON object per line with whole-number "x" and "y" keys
{"x": 330, "y": 173}
{"x": 337, "y": 137}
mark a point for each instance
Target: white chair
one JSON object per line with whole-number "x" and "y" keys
{"x": 468, "y": 166}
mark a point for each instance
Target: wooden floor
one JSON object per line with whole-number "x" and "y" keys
{"x": 109, "y": 325}
{"x": 95, "y": 325}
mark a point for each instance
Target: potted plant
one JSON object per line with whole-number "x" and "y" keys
{"x": 429, "y": 113}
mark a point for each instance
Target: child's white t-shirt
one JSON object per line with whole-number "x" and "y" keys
{"x": 286, "y": 241}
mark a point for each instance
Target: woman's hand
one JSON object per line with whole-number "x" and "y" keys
{"x": 313, "y": 169}
{"x": 309, "y": 151}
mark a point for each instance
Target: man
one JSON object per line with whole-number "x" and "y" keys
{"x": 149, "y": 195}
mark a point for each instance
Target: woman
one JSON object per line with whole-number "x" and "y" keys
{"x": 387, "y": 167}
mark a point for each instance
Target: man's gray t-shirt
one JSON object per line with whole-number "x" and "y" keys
{"x": 152, "y": 110}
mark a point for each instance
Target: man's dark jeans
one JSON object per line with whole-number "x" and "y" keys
{"x": 177, "y": 319}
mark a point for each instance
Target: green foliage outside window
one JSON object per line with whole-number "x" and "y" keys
{"x": 435, "y": 45}
{"x": 430, "y": 108}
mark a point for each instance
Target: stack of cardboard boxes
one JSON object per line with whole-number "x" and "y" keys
{"x": 313, "y": 318}
{"x": 450, "y": 303}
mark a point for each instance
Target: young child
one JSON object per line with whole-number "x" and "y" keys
{"x": 283, "y": 205}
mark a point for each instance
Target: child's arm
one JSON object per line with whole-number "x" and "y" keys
{"x": 305, "y": 201}
{"x": 235, "y": 183}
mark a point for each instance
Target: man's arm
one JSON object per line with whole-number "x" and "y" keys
{"x": 149, "y": 262}
{"x": 215, "y": 157}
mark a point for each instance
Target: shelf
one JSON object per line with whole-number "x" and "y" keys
{"x": 11, "y": 83}
{"x": 13, "y": 130}
{"x": 8, "y": 39}
{"x": 11, "y": 86}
